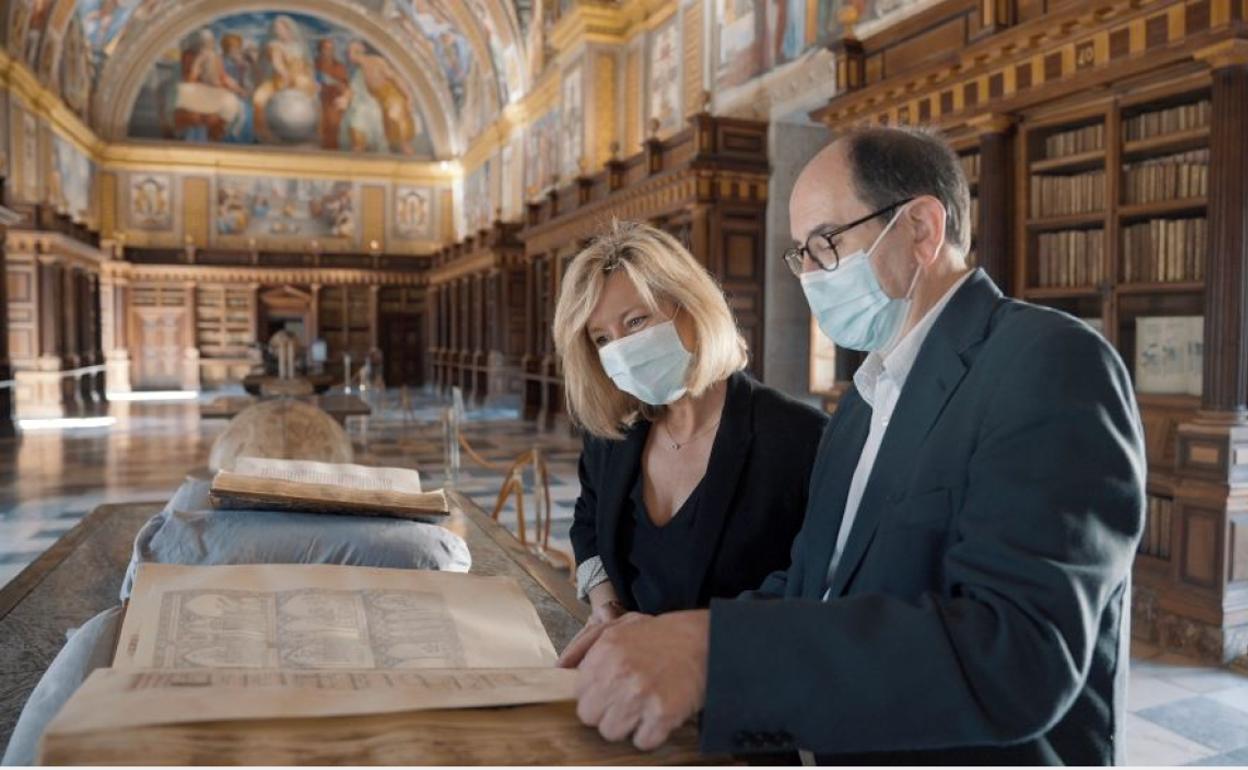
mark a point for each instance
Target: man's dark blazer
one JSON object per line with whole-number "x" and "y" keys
{"x": 753, "y": 494}
{"x": 978, "y": 612}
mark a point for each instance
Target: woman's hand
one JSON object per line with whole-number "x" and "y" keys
{"x": 605, "y": 613}
{"x": 606, "y": 608}
{"x": 585, "y": 639}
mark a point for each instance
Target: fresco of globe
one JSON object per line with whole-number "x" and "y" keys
{"x": 293, "y": 116}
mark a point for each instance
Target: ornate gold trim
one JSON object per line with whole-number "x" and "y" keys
{"x": 260, "y": 275}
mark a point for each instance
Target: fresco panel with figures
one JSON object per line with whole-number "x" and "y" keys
{"x": 283, "y": 79}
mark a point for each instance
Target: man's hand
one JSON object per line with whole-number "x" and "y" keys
{"x": 642, "y": 676}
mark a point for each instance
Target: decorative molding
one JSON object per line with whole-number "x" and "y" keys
{"x": 324, "y": 276}
{"x": 660, "y": 195}
{"x": 1228, "y": 53}
{"x": 991, "y": 123}
{"x": 259, "y": 161}
{"x": 1021, "y": 65}
{"x": 45, "y": 104}
{"x": 52, "y": 248}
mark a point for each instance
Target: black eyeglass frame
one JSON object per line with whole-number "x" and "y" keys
{"x": 795, "y": 257}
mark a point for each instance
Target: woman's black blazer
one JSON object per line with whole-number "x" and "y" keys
{"x": 753, "y": 498}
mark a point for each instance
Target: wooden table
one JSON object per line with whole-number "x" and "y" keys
{"x": 340, "y": 406}
{"x": 81, "y": 575}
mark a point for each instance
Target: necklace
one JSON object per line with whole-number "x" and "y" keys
{"x": 676, "y": 445}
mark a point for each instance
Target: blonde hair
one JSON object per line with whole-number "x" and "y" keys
{"x": 661, "y": 268}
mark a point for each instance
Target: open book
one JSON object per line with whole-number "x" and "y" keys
{"x": 313, "y": 487}
{"x": 239, "y": 654}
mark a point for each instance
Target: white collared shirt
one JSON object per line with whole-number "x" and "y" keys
{"x": 879, "y": 381}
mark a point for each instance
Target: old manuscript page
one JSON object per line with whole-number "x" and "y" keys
{"x": 113, "y": 699}
{"x": 326, "y": 618}
{"x": 360, "y": 478}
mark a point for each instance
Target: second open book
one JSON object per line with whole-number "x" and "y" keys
{"x": 314, "y": 487}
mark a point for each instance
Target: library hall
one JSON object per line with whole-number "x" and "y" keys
{"x": 624, "y": 382}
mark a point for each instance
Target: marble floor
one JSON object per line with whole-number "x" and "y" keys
{"x": 1178, "y": 712}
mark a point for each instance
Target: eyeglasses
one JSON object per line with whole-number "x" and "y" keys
{"x": 820, "y": 246}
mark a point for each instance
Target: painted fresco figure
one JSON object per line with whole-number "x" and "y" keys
{"x": 333, "y": 77}
{"x": 287, "y": 65}
{"x": 379, "y": 110}
{"x": 207, "y": 97}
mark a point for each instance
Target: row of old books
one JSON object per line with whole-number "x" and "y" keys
{"x": 1170, "y": 177}
{"x": 1070, "y": 258}
{"x": 1156, "y": 539}
{"x": 1169, "y": 354}
{"x": 970, "y": 165}
{"x": 1053, "y": 196}
{"x": 1162, "y": 250}
{"x": 1184, "y": 117}
{"x": 1075, "y": 141}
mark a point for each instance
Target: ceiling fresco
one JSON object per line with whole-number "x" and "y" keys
{"x": 354, "y": 75}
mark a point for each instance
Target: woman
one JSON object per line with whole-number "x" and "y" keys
{"x": 693, "y": 475}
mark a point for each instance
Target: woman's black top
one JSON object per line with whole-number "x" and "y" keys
{"x": 657, "y": 569}
{"x": 749, "y": 505}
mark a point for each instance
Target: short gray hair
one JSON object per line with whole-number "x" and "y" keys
{"x": 889, "y": 164}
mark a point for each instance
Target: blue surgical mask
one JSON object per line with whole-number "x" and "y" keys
{"x": 849, "y": 304}
{"x": 650, "y": 364}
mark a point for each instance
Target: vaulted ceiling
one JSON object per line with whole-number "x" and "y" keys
{"x": 410, "y": 77}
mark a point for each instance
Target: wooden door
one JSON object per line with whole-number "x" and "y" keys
{"x": 159, "y": 348}
{"x": 403, "y": 348}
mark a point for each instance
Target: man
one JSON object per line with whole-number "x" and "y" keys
{"x": 957, "y": 594}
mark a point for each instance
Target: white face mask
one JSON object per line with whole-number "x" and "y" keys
{"x": 851, "y": 307}
{"x": 650, "y": 364}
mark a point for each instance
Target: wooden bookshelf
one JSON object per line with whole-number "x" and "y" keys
{"x": 1067, "y": 222}
{"x": 1083, "y": 161}
{"x": 1128, "y": 292}
{"x": 1178, "y": 141}
{"x": 1129, "y": 212}
{"x": 347, "y": 322}
{"x": 225, "y": 321}
{"x": 1061, "y": 292}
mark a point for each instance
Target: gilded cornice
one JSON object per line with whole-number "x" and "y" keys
{"x": 589, "y": 22}
{"x": 138, "y": 156}
{"x": 54, "y": 247}
{"x": 43, "y": 103}
{"x": 324, "y": 276}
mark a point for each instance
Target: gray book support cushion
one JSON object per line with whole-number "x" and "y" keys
{"x": 190, "y": 531}
{"x": 88, "y": 648}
